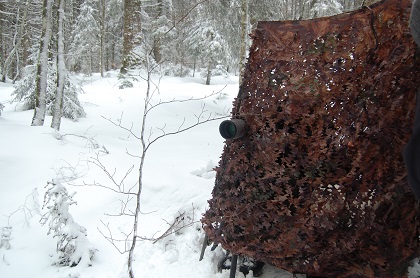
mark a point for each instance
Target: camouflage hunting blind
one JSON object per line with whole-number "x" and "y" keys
{"x": 318, "y": 184}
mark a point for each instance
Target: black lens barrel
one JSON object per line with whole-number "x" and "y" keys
{"x": 232, "y": 129}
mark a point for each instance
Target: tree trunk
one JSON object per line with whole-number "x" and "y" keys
{"x": 209, "y": 66}
{"x": 90, "y": 62}
{"x": 244, "y": 39}
{"x": 2, "y": 43}
{"x": 157, "y": 41}
{"x": 112, "y": 59}
{"x": 11, "y": 54}
{"x": 127, "y": 36}
{"x": 103, "y": 42}
{"x": 61, "y": 70}
{"x": 20, "y": 37}
{"x": 131, "y": 32}
{"x": 16, "y": 43}
{"x": 156, "y": 50}
{"x": 42, "y": 66}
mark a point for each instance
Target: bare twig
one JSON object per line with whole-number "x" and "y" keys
{"x": 124, "y": 210}
{"x": 109, "y": 237}
{"x": 118, "y": 186}
{"x": 185, "y": 100}
{"x": 129, "y": 129}
{"x": 180, "y": 130}
{"x": 25, "y": 209}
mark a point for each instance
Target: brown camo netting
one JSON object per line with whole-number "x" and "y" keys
{"x": 318, "y": 184}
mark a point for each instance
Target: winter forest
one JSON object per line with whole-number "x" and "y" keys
{"x": 126, "y": 97}
{"x": 42, "y": 42}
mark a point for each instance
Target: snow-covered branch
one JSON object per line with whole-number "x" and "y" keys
{"x": 73, "y": 246}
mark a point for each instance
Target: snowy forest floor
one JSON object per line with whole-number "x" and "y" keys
{"x": 178, "y": 179}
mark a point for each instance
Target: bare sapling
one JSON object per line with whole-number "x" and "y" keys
{"x": 147, "y": 138}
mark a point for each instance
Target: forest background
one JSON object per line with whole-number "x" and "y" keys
{"x": 179, "y": 35}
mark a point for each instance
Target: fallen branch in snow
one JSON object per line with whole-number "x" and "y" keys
{"x": 91, "y": 141}
{"x": 174, "y": 227}
{"x": 171, "y": 228}
{"x": 67, "y": 173}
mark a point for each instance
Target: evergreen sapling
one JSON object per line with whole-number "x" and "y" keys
{"x": 73, "y": 246}
{"x": 5, "y": 237}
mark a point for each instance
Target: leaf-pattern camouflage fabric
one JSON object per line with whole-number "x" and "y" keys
{"x": 318, "y": 185}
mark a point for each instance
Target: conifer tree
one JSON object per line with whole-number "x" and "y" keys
{"x": 73, "y": 246}
{"x": 86, "y": 39}
{"x": 208, "y": 44}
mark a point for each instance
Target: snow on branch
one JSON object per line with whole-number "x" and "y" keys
{"x": 6, "y": 237}
{"x": 73, "y": 246}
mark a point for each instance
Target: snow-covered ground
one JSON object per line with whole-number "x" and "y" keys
{"x": 178, "y": 179}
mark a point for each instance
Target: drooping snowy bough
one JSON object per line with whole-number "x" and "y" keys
{"x": 73, "y": 247}
{"x": 318, "y": 183}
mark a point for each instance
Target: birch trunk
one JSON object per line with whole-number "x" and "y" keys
{"x": 61, "y": 70}
{"x": 42, "y": 66}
